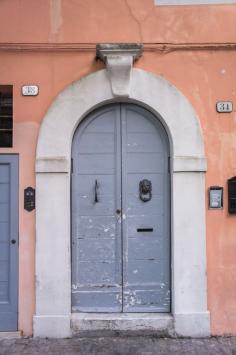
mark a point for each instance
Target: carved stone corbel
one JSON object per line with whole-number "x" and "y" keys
{"x": 119, "y": 59}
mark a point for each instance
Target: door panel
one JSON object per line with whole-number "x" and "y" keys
{"x": 96, "y": 243}
{"x": 115, "y": 266}
{"x": 96, "y": 227}
{"x": 4, "y": 227}
{"x": 140, "y": 162}
{"x": 8, "y": 251}
{"x": 143, "y": 142}
{"x": 145, "y": 273}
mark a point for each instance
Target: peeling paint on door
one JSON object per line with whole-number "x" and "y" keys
{"x": 115, "y": 267}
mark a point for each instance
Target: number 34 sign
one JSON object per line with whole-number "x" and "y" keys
{"x": 224, "y": 106}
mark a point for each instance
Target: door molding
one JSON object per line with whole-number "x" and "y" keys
{"x": 53, "y": 157}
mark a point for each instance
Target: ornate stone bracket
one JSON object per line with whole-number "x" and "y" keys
{"x": 119, "y": 59}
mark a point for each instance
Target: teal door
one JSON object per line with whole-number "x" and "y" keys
{"x": 8, "y": 242}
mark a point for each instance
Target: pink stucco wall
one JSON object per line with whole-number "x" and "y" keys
{"x": 204, "y": 76}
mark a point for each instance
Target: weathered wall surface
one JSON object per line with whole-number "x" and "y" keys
{"x": 114, "y": 21}
{"x": 204, "y": 76}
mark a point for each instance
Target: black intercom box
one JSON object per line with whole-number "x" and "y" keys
{"x": 232, "y": 195}
{"x": 29, "y": 199}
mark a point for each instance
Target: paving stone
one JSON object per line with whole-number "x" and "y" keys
{"x": 118, "y": 346}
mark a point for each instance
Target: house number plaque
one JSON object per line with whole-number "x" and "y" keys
{"x": 224, "y": 106}
{"x": 30, "y": 90}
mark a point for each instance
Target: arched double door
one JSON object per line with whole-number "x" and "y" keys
{"x": 120, "y": 212}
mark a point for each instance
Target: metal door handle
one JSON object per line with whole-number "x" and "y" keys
{"x": 96, "y": 191}
{"x": 13, "y": 241}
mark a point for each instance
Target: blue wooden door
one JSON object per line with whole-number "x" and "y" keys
{"x": 8, "y": 242}
{"x": 120, "y": 236}
{"x": 96, "y": 227}
{"x": 145, "y": 224}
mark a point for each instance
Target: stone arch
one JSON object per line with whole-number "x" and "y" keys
{"x": 53, "y": 287}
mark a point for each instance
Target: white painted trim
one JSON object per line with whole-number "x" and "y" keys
{"x": 52, "y": 326}
{"x": 53, "y": 263}
{"x": 189, "y": 292}
{"x": 194, "y": 325}
{"x": 193, "y": 2}
{"x": 189, "y": 163}
{"x": 52, "y": 165}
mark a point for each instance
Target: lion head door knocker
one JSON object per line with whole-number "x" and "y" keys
{"x": 145, "y": 190}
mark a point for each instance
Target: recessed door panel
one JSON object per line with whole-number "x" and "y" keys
{"x": 8, "y": 242}
{"x": 120, "y": 232}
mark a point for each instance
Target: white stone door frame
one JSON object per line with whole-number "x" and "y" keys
{"x": 53, "y": 235}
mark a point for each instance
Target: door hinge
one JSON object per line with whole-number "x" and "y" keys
{"x": 168, "y": 164}
{"x": 72, "y": 167}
